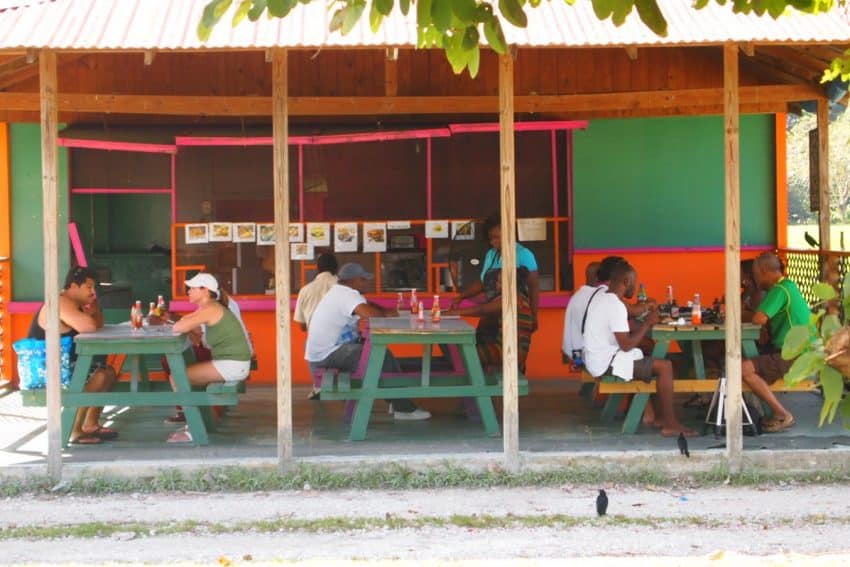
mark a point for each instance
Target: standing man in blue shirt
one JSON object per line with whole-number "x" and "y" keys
{"x": 526, "y": 263}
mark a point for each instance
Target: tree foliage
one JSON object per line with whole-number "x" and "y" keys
{"x": 839, "y": 167}
{"x": 460, "y": 27}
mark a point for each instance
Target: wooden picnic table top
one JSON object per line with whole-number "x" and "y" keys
{"x": 124, "y": 332}
{"x": 704, "y": 328}
{"x": 410, "y": 325}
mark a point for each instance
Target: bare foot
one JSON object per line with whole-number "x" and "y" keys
{"x": 649, "y": 416}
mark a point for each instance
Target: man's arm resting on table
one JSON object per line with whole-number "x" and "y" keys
{"x": 366, "y": 310}
{"x": 760, "y": 318}
{"x": 80, "y": 321}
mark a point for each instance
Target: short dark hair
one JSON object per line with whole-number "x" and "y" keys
{"x": 607, "y": 266}
{"x": 78, "y": 275}
{"x": 770, "y": 262}
{"x": 327, "y": 262}
{"x": 491, "y": 222}
{"x": 619, "y": 271}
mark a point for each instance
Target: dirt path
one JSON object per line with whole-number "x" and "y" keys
{"x": 759, "y": 521}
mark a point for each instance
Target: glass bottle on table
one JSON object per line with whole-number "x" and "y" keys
{"x": 151, "y": 312}
{"x": 160, "y": 306}
{"x": 435, "y": 309}
{"x": 136, "y": 315}
{"x": 641, "y": 294}
{"x": 414, "y": 302}
{"x": 400, "y": 303}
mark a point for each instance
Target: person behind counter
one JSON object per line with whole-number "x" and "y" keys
{"x": 491, "y": 271}
{"x": 79, "y": 312}
{"x": 225, "y": 335}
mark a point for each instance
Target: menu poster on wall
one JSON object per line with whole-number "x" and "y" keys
{"x": 197, "y": 234}
{"x": 296, "y": 232}
{"x": 221, "y": 232}
{"x": 374, "y": 237}
{"x": 319, "y": 233}
{"x": 437, "y": 229}
{"x": 463, "y": 230}
{"x": 265, "y": 234}
{"x": 398, "y": 225}
{"x": 244, "y": 232}
{"x": 302, "y": 251}
{"x": 345, "y": 237}
{"x": 531, "y": 229}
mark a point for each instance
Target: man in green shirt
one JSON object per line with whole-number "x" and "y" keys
{"x": 782, "y": 308}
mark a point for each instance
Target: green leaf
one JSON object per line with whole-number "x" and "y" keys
{"x": 650, "y": 14}
{"x": 404, "y": 5}
{"x": 470, "y": 38}
{"x": 603, "y": 8}
{"x": 823, "y": 291}
{"x": 464, "y": 10}
{"x": 513, "y": 13}
{"x": 375, "y": 17}
{"x": 257, "y": 11}
{"x": 700, "y": 4}
{"x": 832, "y": 383}
{"x": 829, "y": 326}
{"x": 221, "y": 8}
{"x": 423, "y": 13}
{"x": 441, "y": 14}
{"x": 622, "y": 8}
{"x": 473, "y": 61}
{"x": 824, "y": 411}
{"x": 796, "y": 342}
{"x": 495, "y": 37}
{"x": 277, "y": 8}
{"x": 352, "y": 15}
{"x": 241, "y": 12}
{"x": 845, "y": 411}
{"x": 211, "y": 15}
{"x": 455, "y": 53}
{"x": 384, "y": 7}
{"x": 804, "y": 366}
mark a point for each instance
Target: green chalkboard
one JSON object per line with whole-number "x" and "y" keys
{"x": 27, "y": 226}
{"x": 659, "y": 182}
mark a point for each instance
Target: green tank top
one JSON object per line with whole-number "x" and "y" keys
{"x": 227, "y": 339}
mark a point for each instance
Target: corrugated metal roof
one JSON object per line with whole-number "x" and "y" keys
{"x": 171, "y": 25}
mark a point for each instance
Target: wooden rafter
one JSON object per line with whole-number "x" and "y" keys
{"x": 20, "y": 69}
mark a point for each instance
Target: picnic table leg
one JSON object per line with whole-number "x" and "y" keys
{"x": 633, "y": 416}
{"x": 612, "y": 404}
{"x": 134, "y": 372}
{"x": 699, "y": 362}
{"x": 194, "y": 419}
{"x": 360, "y": 421}
{"x": 77, "y": 385}
{"x": 476, "y": 377}
{"x": 426, "y": 366}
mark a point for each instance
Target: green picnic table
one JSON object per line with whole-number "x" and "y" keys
{"x": 689, "y": 338}
{"x": 384, "y": 331}
{"x": 140, "y": 391}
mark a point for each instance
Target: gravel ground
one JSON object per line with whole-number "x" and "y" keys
{"x": 755, "y": 521}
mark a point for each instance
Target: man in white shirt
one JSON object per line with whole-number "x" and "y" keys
{"x": 572, "y": 343}
{"x": 312, "y": 293}
{"x": 333, "y": 337}
{"x": 609, "y": 347}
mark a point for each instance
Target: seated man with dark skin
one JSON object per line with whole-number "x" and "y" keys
{"x": 611, "y": 348}
{"x": 782, "y": 307}
{"x": 79, "y": 312}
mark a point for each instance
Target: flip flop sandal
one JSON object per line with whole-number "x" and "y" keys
{"x": 103, "y": 433}
{"x": 178, "y": 417}
{"x": 776, "y": 425}
{"x": 180, "y": 436}
{"x": 86, "y": 439}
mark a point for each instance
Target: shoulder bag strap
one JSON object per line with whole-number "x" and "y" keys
{"x": 587, "y": 308}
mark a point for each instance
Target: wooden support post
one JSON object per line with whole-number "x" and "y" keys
{"x": 391, "y": 72}
{"x": 280, "y": 128}
{"x": 50, "y": 220}
{"x": 507, "y": 191}
{"x": 823, "y": 174}
{"x": 731, "y": 119}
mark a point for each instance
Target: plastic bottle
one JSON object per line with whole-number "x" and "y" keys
{"x": 641, "y": 295}
{"x": 696, "y": 311}
{"x": 400, "y": 303}
{"x": 414, "y": 302}
{"x": 420, "y": 314}
{"x": 435, "y": 309}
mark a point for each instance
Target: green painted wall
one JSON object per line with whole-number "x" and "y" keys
{"x": 27, "y": 229}
{"x": 659, "y": 182}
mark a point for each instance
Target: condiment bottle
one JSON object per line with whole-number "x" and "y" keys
{"x": 670, "y": 300}
{"x": 641, "y": 296}
{"x": 152, "y": 310}
{"x": 414, "y": 302}
{"x": 136, "y": 315}
{"x": 420, "y": 314}
{"x": 400, "y": 304}
{"x": 696, "y": 311}
{"x": 435, "y": 309}
{"x": 160, "y": 306}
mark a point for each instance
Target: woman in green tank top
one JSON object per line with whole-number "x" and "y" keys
{"x": 231, "y": 353}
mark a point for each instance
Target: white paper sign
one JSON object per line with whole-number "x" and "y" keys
{"x": 319, "y": 233}
{"x": 221, "y": 232}
{"x": 374, "y": 237}
{"x": 197, "y": 234}
{"x": 244, "y": 232}
{"x": 301, "y": 251}
{"x": 437, "y": 229}
{"x": 398, "y": 225}
{"x": 296, "y": 232}
{"x": 345, "y": 237}
{"x": 531, "y": 229}
{"x": 463, "y": 230}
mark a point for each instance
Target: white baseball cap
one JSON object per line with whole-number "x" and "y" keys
{"x": 204, "y": 280}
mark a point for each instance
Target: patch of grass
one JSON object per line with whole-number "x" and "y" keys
{"x": 132, "y": 530}
{"x": 394, "y": 477}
